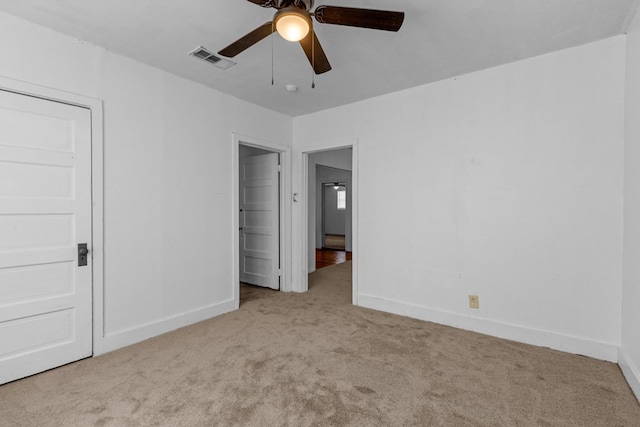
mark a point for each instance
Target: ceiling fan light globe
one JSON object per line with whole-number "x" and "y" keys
{"x": 292, "y": 25}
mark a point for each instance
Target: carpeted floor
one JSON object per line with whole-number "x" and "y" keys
{"x": 314, "y": 360}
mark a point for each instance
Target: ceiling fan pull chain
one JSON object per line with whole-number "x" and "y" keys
{"x": 272, "y": 32}
{"x": 313, "y": 59}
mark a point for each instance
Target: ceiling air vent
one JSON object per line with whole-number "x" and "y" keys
{"x": 202, "y": 53}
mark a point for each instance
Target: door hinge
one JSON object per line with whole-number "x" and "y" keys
{"x": 279, "y": 273}
{"x": 279, "y": 168}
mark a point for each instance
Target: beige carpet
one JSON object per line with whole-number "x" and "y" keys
{"x": 314, "y": 360}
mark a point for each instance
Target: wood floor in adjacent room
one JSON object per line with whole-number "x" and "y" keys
{"x": 313, "y": 359}
{"x": 326, "y": 257}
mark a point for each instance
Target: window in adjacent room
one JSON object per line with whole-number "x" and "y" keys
{"x": 342, "y": 199}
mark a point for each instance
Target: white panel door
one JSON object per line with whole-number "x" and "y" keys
{"x": 45, "y": 211}
{"x": 260, "y": 221}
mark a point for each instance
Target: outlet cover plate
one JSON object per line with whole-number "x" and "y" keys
{"x": 474, "y": 301}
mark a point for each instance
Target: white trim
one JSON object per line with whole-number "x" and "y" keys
{"x": 97, "y": 189}
{"x": 285, "y": 209}
{"x": 303, "y": 286}
{"x": 630, "y": 371}
{"x": 123, "y": 338}
{"x": 355, "y": 221}
{"x": 566, "y": 343}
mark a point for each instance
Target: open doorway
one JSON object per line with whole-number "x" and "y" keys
{"x": 259, "y": 217}
{"x": 330, "y": 209}
{"x": 333, "y": 216}
{"x": 260, "y": 214}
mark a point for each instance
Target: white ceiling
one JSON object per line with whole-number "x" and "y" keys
{"x": 439, "y": 39}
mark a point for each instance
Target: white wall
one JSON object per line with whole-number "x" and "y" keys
{"x": 630, "y": 348}
{"x": 512, "y": 190}
{"x": 168, "y": 177}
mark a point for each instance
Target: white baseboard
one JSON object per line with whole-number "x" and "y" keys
{"x": 566, "y": 343}
{"x": 115, "y": 340}
{"x": 631, "y": 371}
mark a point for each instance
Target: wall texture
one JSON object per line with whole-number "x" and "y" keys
{"x": 512, "y": 190}
{"x": 630, "y": 349}
{"x": 168, "y": 177}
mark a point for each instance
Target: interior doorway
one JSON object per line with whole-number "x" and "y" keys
{"x": 330, "y": 209}
{"x": 259, "y": 217}
{"x": 280, "y": 265}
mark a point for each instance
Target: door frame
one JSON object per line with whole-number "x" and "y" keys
{"x": 97, "y": 190}
{"x": 329, "y": 146}
{"x": 284, "y": 204}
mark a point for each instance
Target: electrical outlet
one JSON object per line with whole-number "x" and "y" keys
{"x": 474, "y": 301}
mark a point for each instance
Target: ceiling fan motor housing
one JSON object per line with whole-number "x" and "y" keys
{"x": 302, "y": 4}
{"x": 308, "y": 4}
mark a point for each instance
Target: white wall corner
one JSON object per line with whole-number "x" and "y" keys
{"x": 566, "y": 343}
{"x": 631, "y": 14}
{"x": 115, "y": 340}
{"x": 630, "y": 371}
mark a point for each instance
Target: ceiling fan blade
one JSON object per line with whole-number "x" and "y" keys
{"x": 248, "y": 40}
{"x": 315, "y": 53}
{"x": 263, "y": 3}
{"x": 365, "y": 18}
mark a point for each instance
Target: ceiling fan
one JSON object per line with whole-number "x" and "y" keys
{"x": 293, "y": 22}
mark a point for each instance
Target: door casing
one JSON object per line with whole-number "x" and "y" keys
{"x": 285, "y": 209}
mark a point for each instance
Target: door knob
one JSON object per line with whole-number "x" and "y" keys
{"x": 82, "y": 254}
